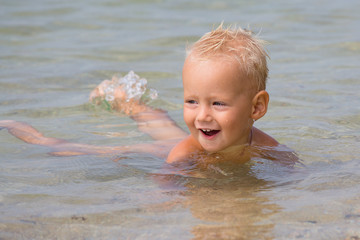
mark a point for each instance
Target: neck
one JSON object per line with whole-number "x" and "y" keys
{"x": 238, "y": 153}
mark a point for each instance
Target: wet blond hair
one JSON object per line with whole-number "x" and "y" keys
{"x": 235, "y": 43}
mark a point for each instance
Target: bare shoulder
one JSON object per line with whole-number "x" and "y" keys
{"x": 267, "y": 147}
{"x": 183, "y": 150}
{"x": 262, "y": 139}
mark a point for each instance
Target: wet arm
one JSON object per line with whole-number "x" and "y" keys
{"x": 61, "y": 147}
{"x": 154, "y": 122}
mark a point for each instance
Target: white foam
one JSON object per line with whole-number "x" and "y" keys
{"x": 134, "y": 87}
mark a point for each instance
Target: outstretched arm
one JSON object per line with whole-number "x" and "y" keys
{"x": 154, "y": 122}
{"x": 62, "y": 147}
{"x": 29, "y": 134}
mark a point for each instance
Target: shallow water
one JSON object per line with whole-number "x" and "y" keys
{"x": 53, "y": 53}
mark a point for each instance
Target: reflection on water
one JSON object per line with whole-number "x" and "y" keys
{"x": 231, "y": 207}
{"x": 53, "y": 53}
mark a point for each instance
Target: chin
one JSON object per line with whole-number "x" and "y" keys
{"x": 212, "y": 149}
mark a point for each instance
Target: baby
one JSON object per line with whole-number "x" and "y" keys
{"x": 224, "y": 80}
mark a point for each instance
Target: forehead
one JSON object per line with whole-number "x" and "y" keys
{"x": 217, "y": 72}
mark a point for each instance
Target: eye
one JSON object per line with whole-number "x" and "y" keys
{"x": 190, "y": 101}
{"x": 219, "y": 104}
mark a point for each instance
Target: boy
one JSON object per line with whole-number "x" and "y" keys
{"x": 224, "y": 79}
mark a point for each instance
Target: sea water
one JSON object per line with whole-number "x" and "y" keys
{"x": 52, "y": 54}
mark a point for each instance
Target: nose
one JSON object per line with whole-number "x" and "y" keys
{"x": 204, "y": 114}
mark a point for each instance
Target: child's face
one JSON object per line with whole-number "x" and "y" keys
{"x": 217, "y": 104}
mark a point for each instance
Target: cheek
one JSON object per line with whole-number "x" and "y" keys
{"x": 188, "y": 117}
{"x": 229, "y": 122}
{"x": 233, "y": 120}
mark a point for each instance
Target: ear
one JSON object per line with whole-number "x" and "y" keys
{"x": 259, "y": 105}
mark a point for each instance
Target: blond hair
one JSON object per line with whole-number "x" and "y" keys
{"x": 238, "y": 44}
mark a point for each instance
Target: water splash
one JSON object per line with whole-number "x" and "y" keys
{"x": 133, "y": 86}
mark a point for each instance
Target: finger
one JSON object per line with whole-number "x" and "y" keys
{"x": 102, "y": 86}
{"x": 99, "y": 91}
{"x": 94, "y": 94}
{"x": 119, "y": 93}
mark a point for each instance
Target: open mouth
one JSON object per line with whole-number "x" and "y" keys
{"x": 209, "y": 132}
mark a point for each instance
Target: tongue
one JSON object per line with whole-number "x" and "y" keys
{"x": 212, "y": 132}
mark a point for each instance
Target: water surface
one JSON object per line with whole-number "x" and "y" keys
{"x": 53, "y": 53}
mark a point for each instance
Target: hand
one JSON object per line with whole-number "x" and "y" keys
{"x": 116, "y": 97}
{"x": 99, "y": 91}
